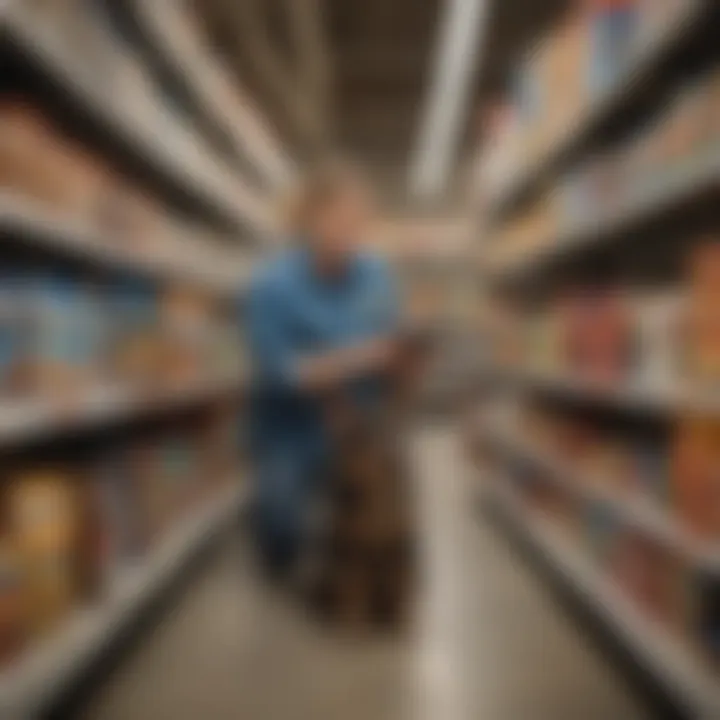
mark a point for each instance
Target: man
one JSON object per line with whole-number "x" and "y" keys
{"x": 321, "y": 321}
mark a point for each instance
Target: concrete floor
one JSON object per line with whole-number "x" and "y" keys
{"x": 489, "y": 643}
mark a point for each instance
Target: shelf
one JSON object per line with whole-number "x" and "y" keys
{"x": 698, "y": 178}
{"x": 32, "y": 686}
{"x": 627, "y": 397}
{"x": 646, "y": 67}
{"x": 236, "y": 205}
{"x": 668, "y": 662}
{"x": 29, "y": 421}
{"x": 193, "y": 67}
{"x": 43, "y": 227}
{"x": 634, "y": 510}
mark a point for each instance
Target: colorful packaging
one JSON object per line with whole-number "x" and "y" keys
{"x": 42, "y": 517}
{"x": 135, "y": 343}
{"x": 121, "y": 509}
{"x": 696, "y": 476}
{"x": 658, "y": 328}
{"x": 703, "y": 314}
{"x": 13, "y": 335}
{"x": 707, "y": 622}
{"x": 613, "y": 30}
{"x": 13, "y": 602}
{"x": 652, "y": 473}
{"x": 56, "y": 347}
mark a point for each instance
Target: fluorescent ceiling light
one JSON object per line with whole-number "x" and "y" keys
{"x": 459, "y": 45}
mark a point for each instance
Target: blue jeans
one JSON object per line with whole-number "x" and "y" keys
{"x": 288, "y": 478}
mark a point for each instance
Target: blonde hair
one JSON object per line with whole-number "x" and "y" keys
{"x": 321, "y": 184}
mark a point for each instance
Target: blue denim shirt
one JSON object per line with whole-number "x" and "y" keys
{"x": 294, "y": 312}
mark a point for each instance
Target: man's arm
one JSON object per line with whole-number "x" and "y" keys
{"x": 281, "y": 365}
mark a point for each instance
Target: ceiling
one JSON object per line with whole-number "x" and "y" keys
{"x": 353, "y": 74}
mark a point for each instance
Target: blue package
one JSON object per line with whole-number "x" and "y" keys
{"x": 12, "y": 330}
{"x": 612, "y": 35}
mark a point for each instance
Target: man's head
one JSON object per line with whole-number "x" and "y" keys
{"x": 332, "y": 211}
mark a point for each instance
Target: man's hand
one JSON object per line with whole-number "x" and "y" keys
{"x": 333, "y": 368}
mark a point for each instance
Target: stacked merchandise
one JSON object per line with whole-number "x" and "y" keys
{"x": 63, "y": 336}
{"x": 582, "y": 61}
{"x": 69, "y": 529}
{"x": 42, "y": 168}
{"x": 120, "y": 312}
{"x": 108, "y": 67}
{"x": 606, "y": 335}
{"x": 674, "y": 149}
{"x": 607, "y": 452}
{"x": 613, "y": 494}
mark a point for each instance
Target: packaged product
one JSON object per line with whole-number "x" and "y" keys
{"x": 118, "y": 508}
{"x": 702, "y": 341}
{"x": 55, "y": 337}
{"x": 42, "y": 518}
{"x": 613, "y": 31}
{"x": 146, "y": 467}
{"x": 696, "y": 475}
{"x": 688, "y": 124}
{"x": 647, "y": 571}
{"x": 651, "y": 472}
{"x": 221, "y": 441}
{"x": 130, "y": 219}
{"x": 36, "y": 160}
{"x": 135, "y": 344}
{"x": 601, "y": 532}
{"x": 597, "y": 339}
{"x": 707, "y": 618}
{"x": 657, "y": 15}
{"x": 611, "y": 463}
{"x": 13, "y": 602}
{"x": 178, "y": 474}
{"x": 13, "y": 334}
{"x": 187, "y": 326}
{"x": 91, "y": 554}
{"x": 658, "y": 326}
{"x": 565, "y": 72}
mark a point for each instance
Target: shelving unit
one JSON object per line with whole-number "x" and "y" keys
{"x": 234, "y": 204}
{"x": 699, "y": 180}
{"x": 636, "y": 398}
{"x": 47, "y": 229}
{"x": 209, "y": 202}
{"x": 634, "y": 510}
{"x": 34, "y": 421}
{"x": 646, "y": 68}
{"x": 237, "y": 123}
{"x": 626, "y": 240}
{"x": 31, "y": 687}
{"x": 690, "y": 686}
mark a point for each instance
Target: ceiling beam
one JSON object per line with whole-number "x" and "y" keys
{"x": 251, "y": 40}
{"x": 314, "y": 56}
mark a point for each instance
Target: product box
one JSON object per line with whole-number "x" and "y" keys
{"x": 597, "y": 338}
{"x": 43, "y": 520}
{"x": 696, "y": 476}
{"x": 13, "y": 602}
{"x": 13, "y": 334}
{"x": 702, "y": 341}
{"x": 613, "y": 29}
{"x": 706, "y": 623}
{"x": 56, "y": 340}
{"x": 651, "y": 473}
{"x": 135, "y": 343}
{"x": 36, "y": 160}
{"x": 179, "y": 475}
{"x": 658, "y": 327}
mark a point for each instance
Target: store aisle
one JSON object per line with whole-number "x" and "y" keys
{"x": 489, "y": 643}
